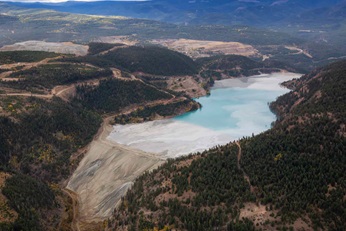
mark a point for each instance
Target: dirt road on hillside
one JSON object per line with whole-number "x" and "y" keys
{"x": 74, "y": 198}
{"x": 246, "y": 177}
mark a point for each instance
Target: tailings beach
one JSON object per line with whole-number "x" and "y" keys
{"x": 121, "y": 153}
{"x": 106, "y": 172}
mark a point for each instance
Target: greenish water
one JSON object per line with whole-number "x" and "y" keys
{"x": 236, "y": 108}
{"x": 239, "y": 105}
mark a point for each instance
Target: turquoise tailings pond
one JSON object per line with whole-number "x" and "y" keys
{"x": 236, "y": 108}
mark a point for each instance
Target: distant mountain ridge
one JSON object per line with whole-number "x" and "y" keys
{"x": 318, "y": 20}
{"x": 249, "y": 12}
{"x": 289, "y": 44}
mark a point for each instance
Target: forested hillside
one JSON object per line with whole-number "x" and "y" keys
{"x": 50, "y": 75}
{"x": 112, "y": 95}
{"x": 153, "y": 60}
{"x": 298, "y": 166}
{"x": 225, "y": 66}
{"x": 7, "y": 57}
{"x": 148, "y": 113}
{"x": 148, "y": 59}
{"x": 43, "y": 134}
{"x": 293, "y": 173}
{"x": 37, "y": 140}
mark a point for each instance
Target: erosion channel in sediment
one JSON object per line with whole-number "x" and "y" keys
{"x": 106, "y": 172}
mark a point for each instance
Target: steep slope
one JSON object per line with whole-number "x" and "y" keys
{"x": 37, "y": 139}
{"x": 291, "y": 176}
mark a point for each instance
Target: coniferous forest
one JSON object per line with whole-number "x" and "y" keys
{"x": 37, "y": 141}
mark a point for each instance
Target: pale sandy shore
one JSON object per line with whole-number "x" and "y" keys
{"x": 168, "y": 138}
{"x": 262, "y": 82}
{"x": 105, "y": 173}
{"x": 173, "y": 138}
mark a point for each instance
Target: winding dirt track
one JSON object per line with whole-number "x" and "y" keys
{"x": 56, "y": 91}
{"x": 25, "y": 66}
{"x": 66, "y": 91}
{"x": 246, "y": 177}
{"x": 75, "y": 201}
{"x": 28, "y": 95}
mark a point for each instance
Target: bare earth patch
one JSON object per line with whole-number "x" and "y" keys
{"x": 105, "y": 174}
{"x": 186, "y": 84}
{"x": 23, "y": 66}
{"x": 301, "y": 225}
{"x": 187, "y": 162}
{"x": 65, "y": 92}
{"x": 116, "y": 39}
{"x": 299, "y": 51}
{"x": 63, "y": 48}
{"x": 258, "y": 214}
{"x": 201, "y": 48}
{"x": 342, "y": 131}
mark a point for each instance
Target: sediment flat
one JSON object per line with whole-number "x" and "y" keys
{"x": 260, "y": 82}
{"x": 168, "y": 138}
{"x": 106, "y": 172}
